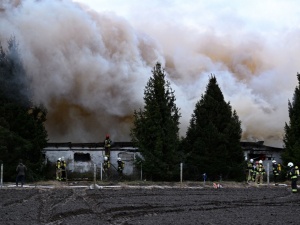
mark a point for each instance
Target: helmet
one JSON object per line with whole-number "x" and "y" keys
{"x": 59, "y": 159}
{"x": 107, "y": 136}
{"x": 274, "y": 161}
{"x": 105, "y": 158}
{"x": 63, "y": 158}
{"x": 260, "y": 161}
{"x": 290, "y": 164}
{"x": 251, "y": 160}
{"x": 119, "y": 159}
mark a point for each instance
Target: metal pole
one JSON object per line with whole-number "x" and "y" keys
{"x": 1, "y": 175}
{"x": 95, "y": 174}
{"x": 141, "y": 171}
{"x": 181, "y": 172}
{"x": 101, "y": 171}
{"x": 268, "y": 171}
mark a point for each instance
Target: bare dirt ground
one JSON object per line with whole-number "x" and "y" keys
{"x": 151, "y": 204}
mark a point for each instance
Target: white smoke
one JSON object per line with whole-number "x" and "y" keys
{"x": 90, "y": 68}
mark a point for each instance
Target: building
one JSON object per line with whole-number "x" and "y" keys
{"x": 82, "y": 158}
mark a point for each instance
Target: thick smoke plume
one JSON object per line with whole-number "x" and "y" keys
{"x": 90, "y": 69}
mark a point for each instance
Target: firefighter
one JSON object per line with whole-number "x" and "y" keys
{"x": 58, "y": 169}
{"x": 107, "y": 145}
{"x": 106, "y": 163}
{"x": 293, "y": 175}
{"x": 63, "y": 166}
{"x": 250, "y": 170}
{"x": 254, "y": 171}
{"x": 276, "y": 171}
{"x": 120, "y": 165}
{"x": 259, "y": 172}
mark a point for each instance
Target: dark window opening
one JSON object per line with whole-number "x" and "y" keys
{"x": 82, "y": 157}
{"x": 257, "y": 157}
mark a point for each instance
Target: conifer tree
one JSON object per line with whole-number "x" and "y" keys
{"x": 22, "y": 131}
{"x": 156, "y": 129}
{"x": 292, "y": 130}
{"x": 212, "y": 143}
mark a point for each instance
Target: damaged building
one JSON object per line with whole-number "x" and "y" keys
{"x": 82, "y": 158}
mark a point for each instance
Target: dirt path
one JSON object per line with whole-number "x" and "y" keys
{"x": 149, "y": 205}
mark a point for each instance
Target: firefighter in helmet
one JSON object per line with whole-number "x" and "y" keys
{"x": 106, "y": 163}
{"x": 107, "y": 145}
{"x": 63, "y": 166}
{"x": 276, "y": 171}
{"x": 120, "y": 165}
{"x": 292, "y": 174}
{"x": 259, "y": 171}
{"x": 58, "y": 169}
{"x": 250, "y": 170}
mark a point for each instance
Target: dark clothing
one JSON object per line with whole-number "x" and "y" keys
{"x": 21, "y": 170}
{"x": 276, "y": 170}
{"x": 107, "y": 144}
{"x": 106, "y": 165}
{"x": 63, "y": 167}
{"x": 120, "y": 166}
{"x": 293, "y": 175}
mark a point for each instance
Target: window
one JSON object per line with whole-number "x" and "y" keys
{"x": 82, "y": 157}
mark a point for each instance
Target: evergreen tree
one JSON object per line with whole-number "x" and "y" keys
{"x": 22, "y": 132}
{"x": 212, "y": 143}
{"x": 292, "y": 130}
{"x": 156, "y": 129}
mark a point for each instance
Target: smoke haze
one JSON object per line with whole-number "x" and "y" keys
{"x": 89, "y": 68}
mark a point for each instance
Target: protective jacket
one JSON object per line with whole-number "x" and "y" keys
{"x": 58, "y": 164}
{"x": 107, "y": 143}
{"x": 276, "y": 169}
{"x": 260, "y": 169}
{"x": 120, "y": 166}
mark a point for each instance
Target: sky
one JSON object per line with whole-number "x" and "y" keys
{"x": 89, "y": 61}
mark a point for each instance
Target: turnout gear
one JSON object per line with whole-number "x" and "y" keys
{"x": 58, "y": 169}
{"x": 276, "y": 171}
{"x": 259, "y": 173}
{"x": 106, "y": 163}
{"x": 292, "y": 174}
{"x": 63, "y": 166}
{"x": 120, "y": 165}
{"x": 250, "y": 170}
{"x": 107, "y": 145}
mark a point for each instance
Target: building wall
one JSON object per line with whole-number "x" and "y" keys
{"x": 82, "y": 160}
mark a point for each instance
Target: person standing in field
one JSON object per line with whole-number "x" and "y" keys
{"x": 21, "y": 170}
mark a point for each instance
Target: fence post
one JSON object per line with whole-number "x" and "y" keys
{"x": 101, "y": 171}
{"x": 141, "y": 171}
{"x": 268, "y": 171}
{"x": 1, "y": 174}
{"x": 95, "y": 174}
{"x": 181, "y": 173}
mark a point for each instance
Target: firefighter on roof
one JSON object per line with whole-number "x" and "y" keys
{"x": 107, "y": 145}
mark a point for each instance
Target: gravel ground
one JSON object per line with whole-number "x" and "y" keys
{"x": 121, "y": 204}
